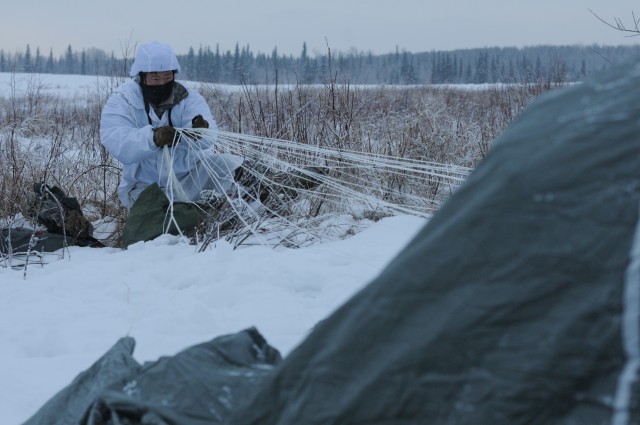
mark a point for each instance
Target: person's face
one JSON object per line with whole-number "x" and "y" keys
{"x": 158, "y": 78}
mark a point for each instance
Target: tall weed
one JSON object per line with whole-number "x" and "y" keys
{"x": 56, "y": 140}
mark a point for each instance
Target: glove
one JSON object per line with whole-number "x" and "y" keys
{"x": 164, "y": 136}
{"x": 199, "y": 122}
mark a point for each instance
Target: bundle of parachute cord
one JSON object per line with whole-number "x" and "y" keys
{"x": 292, "y": 194}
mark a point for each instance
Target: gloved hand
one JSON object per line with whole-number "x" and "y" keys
{"x": 199, "y": 122}
{"x": 164, "y": 136}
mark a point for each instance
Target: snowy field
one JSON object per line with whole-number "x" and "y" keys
{"x": 86, "y": 86}
{"x": 63, "y": 316}
{"x": 59, "y": 318}
{"x": 65, "y": 86}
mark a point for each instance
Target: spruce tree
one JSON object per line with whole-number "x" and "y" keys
{"x": 49, "y": 67}
{"x": 38, "y": 62}
{"x": 27, "y": 60}
{"x": 69, "y": 62}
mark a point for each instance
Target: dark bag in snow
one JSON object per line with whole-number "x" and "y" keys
{"x": 150, "y": 217}
{"x": 62, "y": 216}
{"x": 17, "y": 240}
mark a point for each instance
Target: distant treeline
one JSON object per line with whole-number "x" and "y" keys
{"x": 537, "y": 64}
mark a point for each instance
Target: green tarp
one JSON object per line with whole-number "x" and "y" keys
{"x": 151, "y": 216}
{"x": 197, "y": 386}
{"x": 516, "y": 304}
{"x": 18, "y": 239}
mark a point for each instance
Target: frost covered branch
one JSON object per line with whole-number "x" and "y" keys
{"x": 618, "y": 24}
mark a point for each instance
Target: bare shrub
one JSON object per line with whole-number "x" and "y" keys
{"x": 439, "y": 123}
{"x": 442, "y": 124}
{"x": 53, "y": 140}
{"x": 45, "y": 138}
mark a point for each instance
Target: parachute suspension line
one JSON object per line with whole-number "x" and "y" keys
{"x": 240, "y": 202}
{"x": 174, "y": 190}
{"x": 628, "y": 378}
{"x": 338, "y": 188}
{"x": 217, "y": 172}
{"x": 453, "y": 172}
{"x": 291, "y": 193}
{"x": 237, "y": 208}
{"x": 355, "y": 170}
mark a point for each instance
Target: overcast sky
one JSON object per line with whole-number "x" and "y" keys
{"x": 378, "y": 26}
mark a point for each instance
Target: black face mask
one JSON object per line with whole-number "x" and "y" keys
{"x": 157, "y": 94}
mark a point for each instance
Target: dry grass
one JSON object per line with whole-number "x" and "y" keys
{"x": 56, "y": 140}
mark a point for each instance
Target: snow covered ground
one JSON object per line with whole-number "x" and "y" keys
{"x": 86, "y": 86}
{"x": 63, "y": 316}
{"x": 65, "y": 86}
{"x": 70, "y": 87}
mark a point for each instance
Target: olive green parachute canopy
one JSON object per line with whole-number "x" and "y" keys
{"x": 516, "y": 304}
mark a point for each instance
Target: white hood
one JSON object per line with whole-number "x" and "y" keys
{"x": 154, "y": 57}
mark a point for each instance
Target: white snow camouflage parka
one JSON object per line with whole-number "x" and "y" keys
{"x": 127, "y": 135}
